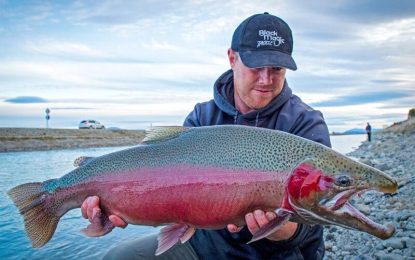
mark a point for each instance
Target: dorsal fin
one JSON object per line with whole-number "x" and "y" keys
{"x": 162, "y": 133}
{"x": 82, "y": 160}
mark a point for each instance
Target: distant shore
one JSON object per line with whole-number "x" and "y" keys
{"x": 39, "y": 139}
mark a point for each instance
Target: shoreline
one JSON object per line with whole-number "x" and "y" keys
{"x": 41, "y": 139}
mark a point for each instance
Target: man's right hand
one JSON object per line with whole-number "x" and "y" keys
{"x": 90, "y": 210}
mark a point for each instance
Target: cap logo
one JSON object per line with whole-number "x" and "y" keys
{"x": 271, "y": 38}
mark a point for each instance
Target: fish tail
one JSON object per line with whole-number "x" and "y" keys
{"x": 39, "y": 212}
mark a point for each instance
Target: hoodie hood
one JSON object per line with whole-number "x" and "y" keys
{"x": 223, "y": 94}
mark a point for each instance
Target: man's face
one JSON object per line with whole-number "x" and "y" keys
{"x": 254, "y": 88}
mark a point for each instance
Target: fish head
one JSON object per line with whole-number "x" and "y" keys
{"x": 319, "y": 192}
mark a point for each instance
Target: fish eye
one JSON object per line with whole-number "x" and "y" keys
{"x": 343, "y": 181}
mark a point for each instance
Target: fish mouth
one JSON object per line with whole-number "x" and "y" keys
{"x": 340, "y": 211}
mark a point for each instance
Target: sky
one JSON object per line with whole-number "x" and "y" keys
{"x": 132, "y": 64}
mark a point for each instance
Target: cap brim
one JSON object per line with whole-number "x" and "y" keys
{"x": 267, "y": 58}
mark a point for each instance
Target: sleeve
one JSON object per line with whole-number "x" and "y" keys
{"x": 299, "y": 119}
{"x": 311, "y": 125}
{"x": 192, "y": 120}
{"x": 306, "y": 243}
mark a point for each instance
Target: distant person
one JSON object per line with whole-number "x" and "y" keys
{"x": 369, "y": 132}
{"x": 253, "y": 92}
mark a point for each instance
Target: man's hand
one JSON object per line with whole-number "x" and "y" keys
{"x": 257, "y": 219}
{"x": 90, "y": 210}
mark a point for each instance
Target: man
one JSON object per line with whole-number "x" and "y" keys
{"x": 254, "y": 92}
{"x": 369, "y": 132}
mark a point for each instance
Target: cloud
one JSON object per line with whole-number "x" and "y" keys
{"x": 26, "y": 100}
{"x": 365, "y": 11}
{"x": 386, "y": 81}
{"x": 389, "y": 33}
{"x": 32, "y": 71}
{"x": 71, "y": 108}
{"x": 110, "y": 12}
{"x": 116, "y": 12}
{"x": 53, "y": 47}
{"x": 373, "y": 11}
{"x": 144, "y": 57}
{"x": 362, "y": 98}
{"x": 28, "y": 15}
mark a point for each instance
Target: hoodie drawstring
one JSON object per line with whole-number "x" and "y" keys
{"x": 235, "y": 118}
{"x": 256, "y": 119}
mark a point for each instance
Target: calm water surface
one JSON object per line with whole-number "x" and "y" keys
{"x": 68, "y": 243}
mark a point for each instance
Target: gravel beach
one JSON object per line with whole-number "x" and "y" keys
{"x": 37, "y": 139}
{"x": 391, "y": 151}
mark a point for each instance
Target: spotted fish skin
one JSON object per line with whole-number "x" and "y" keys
{"x": 230, "y": 147}
{"x": 208, "y": 177}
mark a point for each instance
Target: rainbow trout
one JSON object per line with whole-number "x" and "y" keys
{"x": 208, "y": 177}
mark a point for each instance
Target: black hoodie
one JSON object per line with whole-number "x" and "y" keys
{"x": 287, "y": 113}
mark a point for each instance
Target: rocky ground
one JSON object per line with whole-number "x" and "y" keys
{"x": 391, "y": 151}
{"x": 29, "y": 139}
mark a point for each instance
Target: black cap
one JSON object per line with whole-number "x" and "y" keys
{"x": 264, "y": 40}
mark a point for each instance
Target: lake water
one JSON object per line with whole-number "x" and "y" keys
{"x": 68, "y": 243}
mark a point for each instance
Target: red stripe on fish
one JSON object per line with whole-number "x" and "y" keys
{"x": 202, "y": 196}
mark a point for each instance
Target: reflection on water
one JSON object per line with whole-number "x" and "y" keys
{"x": 67, "y": 243}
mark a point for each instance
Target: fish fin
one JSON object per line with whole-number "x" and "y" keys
{"x": 162, "y": 133}
{"x": 187, "y": 235}
{"x": 172, "y": 234}
{"x": 82, "y": 160}
{"x": 40, "y": 219}
{"x": 282, "y": 217}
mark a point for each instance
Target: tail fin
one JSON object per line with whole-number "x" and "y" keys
{"x": 40, "y": 220}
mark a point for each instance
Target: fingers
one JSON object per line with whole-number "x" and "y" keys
{"x": 96, "y": 216}
{"x": 233, "y": 228}
{"x": 258, "y": 219}
{"x": 117, "y": 221}
{"x": 91, "y": 210}
{"x": 88, "y": 206}
{"x": 93, "y": 207}
{"x": 254, "y": 221}
{"x": 83, "y": 208}
{"x": 270, "y": 215}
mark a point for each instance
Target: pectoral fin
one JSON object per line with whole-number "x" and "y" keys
{"x": 172, "y": 234}
{"x": 282, "y": 217}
